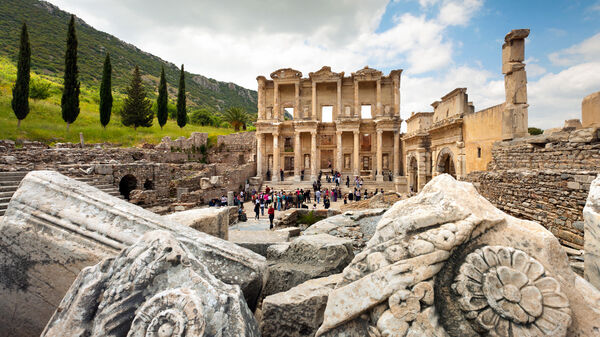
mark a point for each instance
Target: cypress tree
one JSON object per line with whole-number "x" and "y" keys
{"x": 162, "y": 111}
{"x": 106, "y": 99}
{"x": 137, "y": 110}
{"x": 20, "y": 99}
{"x": 70, "y": 97}
{"x": 181, "y": 111}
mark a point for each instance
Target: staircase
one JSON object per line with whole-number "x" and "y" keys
{"x": 9, "y": 182}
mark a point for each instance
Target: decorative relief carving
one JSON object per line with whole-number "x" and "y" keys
{"x": 505, "y": 292}
{"x": 286, "y": 73}
{"x": 325, "y": 74}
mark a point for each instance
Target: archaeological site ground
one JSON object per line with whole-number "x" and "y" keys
{"x": 313, "y": 206}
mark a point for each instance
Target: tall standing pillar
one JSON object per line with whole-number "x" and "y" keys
{"x": 379, "y": 175}
{"x": 355, "y": 166}
{"x": 396, "y": 153}
{"x": 397, "y": 95}
{"x": 338, "y": 161}
{"x": 276, "y": 112}
{"x": 356, "y": 100}
{"x": 275, "y": 174}
{"x": 259, "y": 154}
{"x": 378, "y": 99}
{"x": 297, "y": 157}
{"x": 261, "y": 98}
{"x": 313, "y": 155}
{"x": 314, "y": 101}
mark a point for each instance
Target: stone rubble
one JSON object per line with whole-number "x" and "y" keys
{"x": 155, "y": 287}
{"x": 447, "y": 262}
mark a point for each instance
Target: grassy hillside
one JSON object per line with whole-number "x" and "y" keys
{"x": 47, "y": 31}
{"x": 44, "y": 122}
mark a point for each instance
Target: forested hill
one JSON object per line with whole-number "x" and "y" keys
{"x": 47, "y": 26}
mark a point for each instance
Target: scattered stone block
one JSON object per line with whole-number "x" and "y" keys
{"x": 209, "y": 220}
{"x": 257, "y": 241}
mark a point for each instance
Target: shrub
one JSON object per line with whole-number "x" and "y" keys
{"x": 39, "y": 89}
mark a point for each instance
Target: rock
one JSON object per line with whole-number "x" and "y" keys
{"x": 591, "y": 215}
{"x": 380, "y": 200}
{"x": 297, "y": 312}
{"x": 489, "y": 273}
{"x": 216, "y": 181}
{"x": 55, "y": 226}
{"x": 257, "y": 241}
{"x": 583, "y": 135}
{"x": 306, "y": 257}
{"x": 143, "y": 197}
{"x": 153, "y": 287}
{"x": 8, "y": 160}
{"x": 292, "y": 231}
{"x": 209, "y": 220}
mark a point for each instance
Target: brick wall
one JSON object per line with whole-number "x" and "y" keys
{"x": 544, "y": 178}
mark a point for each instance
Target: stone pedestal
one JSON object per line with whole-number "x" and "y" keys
{"x": 230, "y": 198}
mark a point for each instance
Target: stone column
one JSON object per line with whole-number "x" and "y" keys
{"x": 275, "y": 173}
{"x": 338, "y": 162}
{"x": 313, "y": 155}
{"x": 396, "y": 153}
{"x": 355, "y": 166}
{"x": 379, "y": 176}
{"x": 397, "y": 96}
{"x": 259, "y": 154}
{"x": 356, "y": 101}
{"x": 378, "y": 98}
{"x": 297, "y": 157}
{"x": 276, "y": 101}
{"x": 297, "y": 101}
{"x": 314, "y": 101}
{"x": 339, "y": 99}
{"x": 261, "y": 96}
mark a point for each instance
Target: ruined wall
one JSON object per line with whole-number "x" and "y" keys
{"x": 544, "y": 178}
{"x": 480, "y": 130}
{"x": 234, "y": 149}
{"x": 590, "y": 110}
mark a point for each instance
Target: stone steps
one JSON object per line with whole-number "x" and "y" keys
{"x": 9, "y": 182}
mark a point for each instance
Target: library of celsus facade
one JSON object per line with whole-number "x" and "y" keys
{"x": 329, "y": 121}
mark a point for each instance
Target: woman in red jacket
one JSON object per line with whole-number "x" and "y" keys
{"x": 271, "y": 213}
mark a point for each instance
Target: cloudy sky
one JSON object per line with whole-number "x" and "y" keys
{"x": 440, "y": 44}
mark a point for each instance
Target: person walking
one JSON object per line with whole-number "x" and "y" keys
{"x": 256, "y": 209}
{"x": 262, "y": 206}
{"x": 271, "y": 212}
{"x": 281, "y": 174}
{"x": 318, "y": 196}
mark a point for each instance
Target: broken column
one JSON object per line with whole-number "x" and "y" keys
{"x": 55, "y": 226}
{"x": 515, "y": 116}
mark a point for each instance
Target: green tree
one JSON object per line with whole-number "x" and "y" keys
{"x": 163, "y": 100}
{"x": 236, "y": 117}
{"x": 20, "y": 100}
{"x": 202, "y": 117}
{"x": 70, "y": 97}
{"x": 137, "y": 109}
{"x": 106, "y": 98}
{"x": 181, "y": 109}
{"x": 535, "y": 131}
{"x": 39, "y": 89}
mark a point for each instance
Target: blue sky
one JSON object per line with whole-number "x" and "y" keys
{"x": 440, "y": 44}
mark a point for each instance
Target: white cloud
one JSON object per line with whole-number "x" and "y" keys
{"x": 556, "y": 97}
{"x": 458, "y": 12}
{"x": 586, "y": 51}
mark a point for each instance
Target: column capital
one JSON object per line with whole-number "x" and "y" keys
{"x": 313, "y": 133}
{"x": 379, "y": 132}
{"x": 338, "y": 132}
{"x": 356, "y": 132}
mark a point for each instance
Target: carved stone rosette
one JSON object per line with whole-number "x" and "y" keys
{"x": 505, "y": 292}
{"x": 171, "y": 313}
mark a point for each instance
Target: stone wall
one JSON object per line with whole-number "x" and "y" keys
{"x": 545, "y": 178}
{"x": 234, "y": 149}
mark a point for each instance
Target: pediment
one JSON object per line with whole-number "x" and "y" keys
{"x": 325, "y": 74}
{"x": 367, "y": 74}
{"x": 286, "y": 73}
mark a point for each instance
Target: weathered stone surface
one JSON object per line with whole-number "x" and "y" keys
{"x": 381, "y": 200}
{"x": 591, "y": 214}
{"x": 141, "y": 197}
{"x": 258, "y": 241}
{"x": 358, "y": 226}
{"x": 590, "y": 110}
{"x": 55, "y": 226}
{"x": 297, "y": 312}
{"x": 305, "y": 258}
{"x": 156, "y": 287}
{"x": 481, "y": 272}
{"x": 209, "y": 220}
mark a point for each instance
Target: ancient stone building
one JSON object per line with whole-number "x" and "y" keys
{"x": 456, "y": 139}
{"x": 329, "y": 121}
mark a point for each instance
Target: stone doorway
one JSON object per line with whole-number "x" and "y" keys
{"x": 326, "y": 159}
{"x": 127, "y": 184}
{"x": 445, "y": 163}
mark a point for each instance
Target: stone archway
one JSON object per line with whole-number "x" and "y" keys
{"x": 127, "y": 184}
{"x": 413, "y": 174}
{"x": 148, "y": 184}
{"x": 445, "y": 162}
